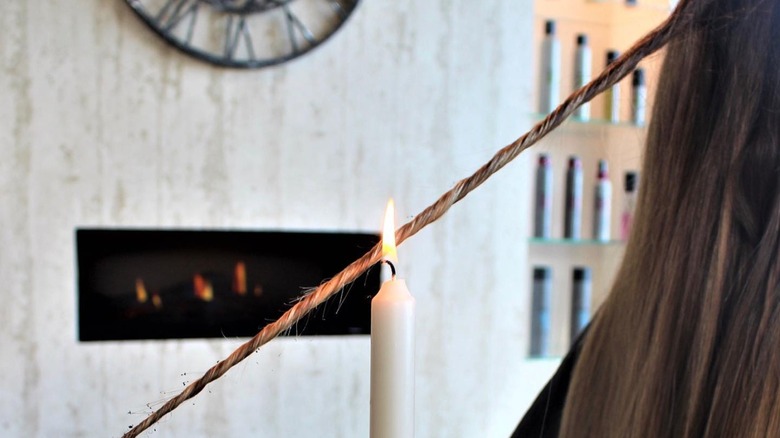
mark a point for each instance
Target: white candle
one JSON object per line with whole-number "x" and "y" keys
{"x": 392, "y": 351}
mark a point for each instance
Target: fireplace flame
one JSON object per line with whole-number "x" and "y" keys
{"x": 239, "y": 278}
{"x": 156, "y": 301}
{"x": 140, "y": 291}
{"x": 202, "y": 288}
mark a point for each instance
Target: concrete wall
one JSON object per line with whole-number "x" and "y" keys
{"x": 102, "y": 124}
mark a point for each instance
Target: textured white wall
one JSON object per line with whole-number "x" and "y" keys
{"x": 101, "y": 124}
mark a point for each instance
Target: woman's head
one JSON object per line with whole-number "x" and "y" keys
{"x": 688, "y": 343}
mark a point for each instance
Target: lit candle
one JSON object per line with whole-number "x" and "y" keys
{"x": 392, "y": 349}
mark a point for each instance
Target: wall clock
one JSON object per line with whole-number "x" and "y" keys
{"x": 244, "y": 33}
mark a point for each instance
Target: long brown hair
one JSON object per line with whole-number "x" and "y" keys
{"x": 688, "y": 342}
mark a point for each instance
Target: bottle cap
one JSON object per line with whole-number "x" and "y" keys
{"x": 581, "y": 273}
{"x": 544, "y": 160}
{"x": 603, "y": 169}
{"x": 582, "y": 39}
{"x": 632, "y": 178}
{"x": 612, "y": 55}
{"x": 549, "y": 27}
{"x": 542, "y": 273}
{"x": 630, "y": 2}
{"x": 639, "y": 77}
{"x": 574, "y": 162}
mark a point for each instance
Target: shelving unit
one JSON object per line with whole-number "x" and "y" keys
{"x": 574, "y": 242}
{"x": 666, "y": 5}
{"x": 610, "y": 25}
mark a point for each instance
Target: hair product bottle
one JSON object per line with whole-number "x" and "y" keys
{"x": 580, "y": 301}
{"x": 550, "y": 74}
{"x": 638, "y": 98}
{"x": 582, "y": 68}
{"x": 612, "y": 95}
{"x": 602, "y": 204}
{"x": 572, "y": 221}
{"x": 629, "y": 204}
{"x": 543, "y": 198}
{"x": 540, "y": 311}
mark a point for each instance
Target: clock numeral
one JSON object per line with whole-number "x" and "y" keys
{"x": 174, "y": 12}
{"x": 295, "y": 27}
{"x": 236, "y": 32}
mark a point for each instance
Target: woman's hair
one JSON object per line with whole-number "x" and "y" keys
{"x": 688, "y": 342}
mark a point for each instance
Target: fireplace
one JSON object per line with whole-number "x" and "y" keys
{"x": 174, "y": 284}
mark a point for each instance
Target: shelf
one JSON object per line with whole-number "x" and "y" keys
{"x": 602, "y": 13}
{"x": 553, "y": 360}
{"x": 577, "y": 136}
{"x": 655, "y": 5}
{"x": 600, "y": 123}
{"x": 574, "y": 243}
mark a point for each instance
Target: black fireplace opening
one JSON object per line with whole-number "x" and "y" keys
{"x": 174, "y": 284}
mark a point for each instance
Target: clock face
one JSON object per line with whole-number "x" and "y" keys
{"x": 244, "y": 33}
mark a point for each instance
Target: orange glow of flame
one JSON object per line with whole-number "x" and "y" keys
{"x": 239, "y": 278}
{"x": 389, "y": 251}
{"x": 203, "y": 288}
{"x": 156, "y": 301}
{"x": 140, "y": 291}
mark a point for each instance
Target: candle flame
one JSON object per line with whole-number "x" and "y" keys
{"x": 389, "y": 251}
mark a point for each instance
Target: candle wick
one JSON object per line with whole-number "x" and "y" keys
{"x": 392, "y": 267}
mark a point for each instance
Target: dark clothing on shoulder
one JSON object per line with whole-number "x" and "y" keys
{"x": 543, "y": 419}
